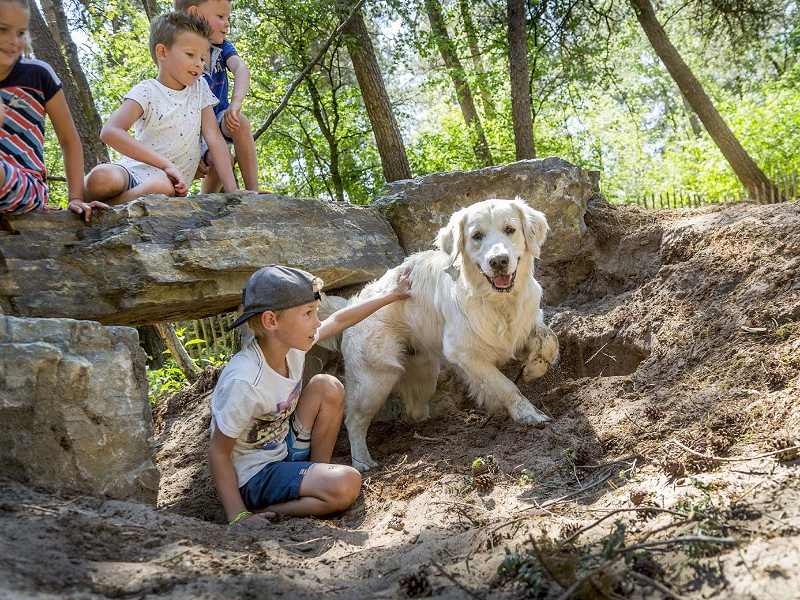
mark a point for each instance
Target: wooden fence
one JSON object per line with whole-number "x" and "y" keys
{"x": 785, "y": 189}
{"x": 213, "y": 331}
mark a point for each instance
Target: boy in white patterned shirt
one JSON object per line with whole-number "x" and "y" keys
{"x": 168, "y": 114}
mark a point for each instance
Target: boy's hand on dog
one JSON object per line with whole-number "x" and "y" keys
{"x": 402, "y": 289}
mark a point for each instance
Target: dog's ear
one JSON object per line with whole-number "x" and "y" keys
{"x": 534, "y": 225}
{"x": 450, "y": 239}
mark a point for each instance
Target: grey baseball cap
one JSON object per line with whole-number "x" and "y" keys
{"x": 275, "y": 287}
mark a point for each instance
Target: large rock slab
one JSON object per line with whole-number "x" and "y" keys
{"x": 167, "y": 259}
{"x": 418, "y": 208}
{"x": 74, "y": 408}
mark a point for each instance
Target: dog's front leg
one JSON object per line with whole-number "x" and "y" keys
{"x": 542, "y": 352}
{"x": 490, "y": 387}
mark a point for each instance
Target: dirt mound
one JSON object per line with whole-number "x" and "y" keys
{"x": 668, "y": 469}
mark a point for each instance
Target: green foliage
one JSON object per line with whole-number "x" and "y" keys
{"x": 165, "y": 381}
{"x": 525, "y": 569}
{"x": 601, "y": 97}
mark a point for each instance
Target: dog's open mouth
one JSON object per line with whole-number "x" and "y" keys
{"x": 503, "y": 282}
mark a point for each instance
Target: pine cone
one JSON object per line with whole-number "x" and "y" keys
{"x": 483, "y": 483}
{"x": 415, "y": 585}
{"x": 786, "y": 442}
{"x": 646, "y": 515}
{"x": 653, "y": 413}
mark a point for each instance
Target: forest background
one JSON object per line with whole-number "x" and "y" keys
{"x": 392, "y": 92}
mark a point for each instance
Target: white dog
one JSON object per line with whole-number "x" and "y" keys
{"x": 474, "y": 303}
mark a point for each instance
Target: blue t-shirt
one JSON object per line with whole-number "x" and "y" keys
{"x": 217, "y": 75}
{"x": 29, "y": 86}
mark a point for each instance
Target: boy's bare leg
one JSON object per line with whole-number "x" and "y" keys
{"x": 108, "y": 183}
{"x": 245, "y": 148}
{"x": 326, "y": 488}
{"x": 211, "y": 183}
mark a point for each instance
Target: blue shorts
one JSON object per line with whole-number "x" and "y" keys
{"x": 22, "y": 191}
{"x": 133, "y": 180}
{"x": 280, "y": 481}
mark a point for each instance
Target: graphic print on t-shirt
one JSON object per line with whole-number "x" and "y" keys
{"x": 269, "y": 430}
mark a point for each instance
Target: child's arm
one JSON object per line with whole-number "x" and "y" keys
{"x": 241, "y": 85}
{"x": 219, "y": 151}
{"x": 115, "y": 134}
{"x": 72, "y": 152}
{"x": 349, "y": 316}
{"x": 224, "y": 475}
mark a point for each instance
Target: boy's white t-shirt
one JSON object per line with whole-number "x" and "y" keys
{"x": 253, "y": 404}
{"x": 169, "y": 125}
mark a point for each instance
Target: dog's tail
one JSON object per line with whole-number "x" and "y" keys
{"x": 327, "y": 306}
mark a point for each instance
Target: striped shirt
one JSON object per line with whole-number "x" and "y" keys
{"x": 26, "y": 90}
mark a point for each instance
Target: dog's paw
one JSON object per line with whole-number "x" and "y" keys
{"x": 364, "y": 464}
{"x": 535, "y": 369}
{"x": 523, "y": 411}
{"x": 542, "y": 348}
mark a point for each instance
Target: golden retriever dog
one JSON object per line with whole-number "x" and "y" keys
{"x": 474, "y": 305}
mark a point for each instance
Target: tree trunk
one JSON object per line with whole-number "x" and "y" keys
{"x": 328, "y": 131}
{"x": 752, "y": 177}
{"x": 153, "y": 344}
{"x": 379, "y": 109}
{"x": 521, "y": 112}
{"x": 697, "y": 128}
{"x": 178, "y": 352}
{"x": 475, "y": 53}
{"x": 463, "y": 92}
{"x": 76, "y": 87}
{"x": 150, "y": 8}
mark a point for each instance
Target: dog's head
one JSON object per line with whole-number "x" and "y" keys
{"x": 492, "y": 237}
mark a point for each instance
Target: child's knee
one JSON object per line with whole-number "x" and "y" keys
{"x": 347, "y": 487}
{"x": 330, "y": 388}
{"x": 105, "y": 180}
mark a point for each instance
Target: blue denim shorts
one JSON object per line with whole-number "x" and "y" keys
{"x": 280, "y": 481}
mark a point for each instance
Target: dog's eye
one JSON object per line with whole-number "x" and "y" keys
{"x": 509, "y": 230}
{"x": 477, "y": 236}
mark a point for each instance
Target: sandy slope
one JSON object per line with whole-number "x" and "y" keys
{"x": 679, "y": 326}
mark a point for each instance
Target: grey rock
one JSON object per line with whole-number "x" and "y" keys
{"x": 74, "y": 408}
{"x": 166, "y": 259}
{"x": 418, "y": 208}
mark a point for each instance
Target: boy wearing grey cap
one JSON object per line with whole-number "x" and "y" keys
{"x": 272, "y": 440}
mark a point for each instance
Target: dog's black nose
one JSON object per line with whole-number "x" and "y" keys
{"x": 499, "y": 263}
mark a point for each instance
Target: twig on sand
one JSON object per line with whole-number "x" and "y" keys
{"x": 735, "y": 459}
{"x": 684, "y": 539}
{"x": 655, "y": 584}
{"x": 619, "y": 510}
{"x": 454, "y": 580}
{"x": 613, "y": 462}
{"x": 571, "y": 495}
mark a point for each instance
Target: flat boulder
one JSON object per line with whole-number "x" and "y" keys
{"x": 74, "y": 408}
{"x": 167, "y": 259}
{"x": 418, "y": 208}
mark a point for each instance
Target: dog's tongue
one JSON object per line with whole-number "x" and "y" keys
{"x": 501, "y": 281}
